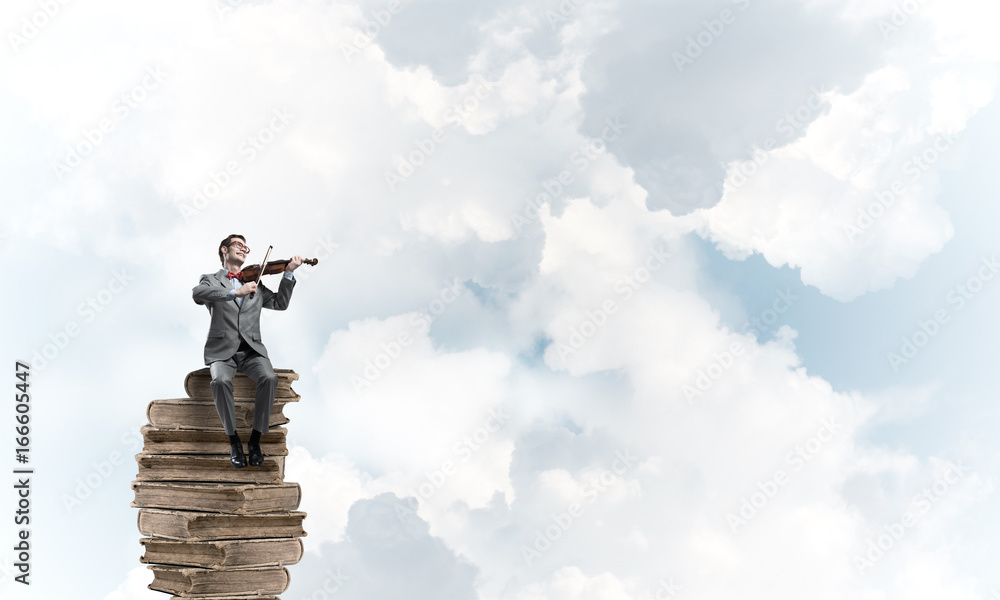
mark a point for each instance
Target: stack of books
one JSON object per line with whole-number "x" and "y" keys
{"x": 214, "y": 531}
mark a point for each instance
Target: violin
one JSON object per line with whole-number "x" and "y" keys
{"x": 273, "y": 267}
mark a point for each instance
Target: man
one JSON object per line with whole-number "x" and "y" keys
{"x": 234, "y": 341}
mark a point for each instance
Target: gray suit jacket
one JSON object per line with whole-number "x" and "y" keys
{"x": 230, "y": 321}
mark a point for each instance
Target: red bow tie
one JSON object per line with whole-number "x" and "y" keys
{"x": 232, "y": 275}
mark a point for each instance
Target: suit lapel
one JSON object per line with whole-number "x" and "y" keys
{"x": 220, "y": 276}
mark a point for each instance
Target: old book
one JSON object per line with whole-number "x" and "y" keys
{"x": 158, "y": 440}
{"x": 220, "y": 554}
{"x": 192, "y": 582}
{"x": 207, "y": 468}
{"x": 197, "y": 384}
{"x": 231, "y": 598}
{"x": 213, "y": 497}
{"x": 191, "y": 413}
{"x": 195, "y": 526}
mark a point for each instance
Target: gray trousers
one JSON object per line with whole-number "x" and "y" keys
{"x": 257, "y": 368}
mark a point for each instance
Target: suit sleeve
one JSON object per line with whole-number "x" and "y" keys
{"x": 278, "y": 300}
{"x": 205, "y": 291}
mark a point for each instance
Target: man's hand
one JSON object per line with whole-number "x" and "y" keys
{"x": 246, "y": 289}
{"x": 293, "y": 263}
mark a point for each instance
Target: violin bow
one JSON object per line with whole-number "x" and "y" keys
{"x": 262, "y": 265}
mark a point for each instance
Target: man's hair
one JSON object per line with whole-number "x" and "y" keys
{"x": 229, "y": 240}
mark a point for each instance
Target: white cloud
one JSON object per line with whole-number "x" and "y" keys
{"x": 570, "y": 583}
{"x": 748, "y": 478}
{"x": 330, "y": 485}
{"x": 405, "y": 408}
{"x": 853, "y": 203}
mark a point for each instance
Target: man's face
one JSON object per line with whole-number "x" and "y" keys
{"x": 238, "y": 251}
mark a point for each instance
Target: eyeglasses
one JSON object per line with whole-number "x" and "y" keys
{"x": 239, "y": 246}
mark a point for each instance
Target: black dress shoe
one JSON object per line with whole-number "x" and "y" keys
{"x": 236, "y": 456}
{"x": 256, "y": 456}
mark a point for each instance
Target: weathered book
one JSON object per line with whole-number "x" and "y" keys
{"x": 207, "y": 468}
{"x": 215, "y": 497}
{"x": 230, "y": 598}
{"x": 193, "y": 413}
{"x": 190, "y": 582}
{"x": 157, "y": 440}
{"x": 221, "y": 554}
{"x": 197, "y": 384}
{"x": 197, "y": 526}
